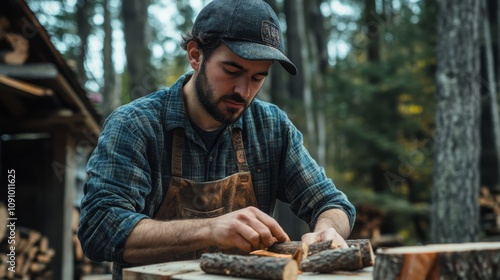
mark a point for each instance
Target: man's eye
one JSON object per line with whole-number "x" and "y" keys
{"x": 231, "y": 72}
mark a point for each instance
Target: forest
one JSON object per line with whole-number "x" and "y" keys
{"x": 397, "y": 99}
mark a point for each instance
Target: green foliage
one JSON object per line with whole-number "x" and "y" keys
{"x": 382, "y": 113}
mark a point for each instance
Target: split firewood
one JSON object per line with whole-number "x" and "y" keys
{"x": 249, "y": 266}
{"x": 331, "y": 260}
{"x": 366, "y": 250}
{"x": 298, "y": 255}
{"x": 265, "y": 253}
{"x": 439, "y": 261}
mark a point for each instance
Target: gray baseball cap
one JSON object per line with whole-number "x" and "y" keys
{"x": 249, "y": 28}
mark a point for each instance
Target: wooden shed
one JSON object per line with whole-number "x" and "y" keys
{"x": 46, "y": 118}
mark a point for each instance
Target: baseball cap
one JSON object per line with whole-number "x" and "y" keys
{"x": 249, "y": 28}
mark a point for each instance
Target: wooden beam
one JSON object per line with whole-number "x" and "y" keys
{"x": 25, "y": 87}
{"x": 30, "y": 71}
{"x": 94, "y": 127}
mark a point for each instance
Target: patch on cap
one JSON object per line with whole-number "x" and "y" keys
{"x": 270, "y": 33}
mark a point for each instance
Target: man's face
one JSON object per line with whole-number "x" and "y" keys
{"x": 227, "y": 84}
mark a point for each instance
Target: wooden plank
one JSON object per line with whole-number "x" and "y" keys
{"x": 94, "y": 127}
{"x": 30, "y": 71}
{"x": 25, "y": 87}
{"x": 190, "y": 270}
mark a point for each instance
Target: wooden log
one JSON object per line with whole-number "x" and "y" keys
{"x": 249, "y": 266}
{"x": 292, "y": 246}
{"x": 287, "y": 248}
{"x": 331, "y": 260}
{"x": 366, "y": 250}
{"x": 439, "y": 261}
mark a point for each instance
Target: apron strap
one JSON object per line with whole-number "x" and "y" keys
{"x": 239, "y": 150}
{"x": 177, "y": 148}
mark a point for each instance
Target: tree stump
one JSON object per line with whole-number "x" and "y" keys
{"x": 439, "y": 261}
{"x": 250, "y": 266}
{"x": 332, "y": 260}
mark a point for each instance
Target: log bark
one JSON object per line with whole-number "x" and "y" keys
{"x": 249, "y": 266}
{"x": 439, "y": 261}
{"x": 288, "y": 248}
{"x": 333, "y": 260}
{"x": 292, "y": 246}
{"x": 366, "y": 250}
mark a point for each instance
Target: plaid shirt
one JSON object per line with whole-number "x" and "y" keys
{"x": 130, "y": 168}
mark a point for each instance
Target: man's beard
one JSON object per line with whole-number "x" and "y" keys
{"x": 205, "y": 95}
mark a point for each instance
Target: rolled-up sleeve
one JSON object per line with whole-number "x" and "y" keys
{"x": 118, "y": 182}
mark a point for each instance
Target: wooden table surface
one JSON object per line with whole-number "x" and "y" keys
{"x": 190, "y": 270}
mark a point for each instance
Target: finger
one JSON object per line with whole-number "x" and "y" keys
{"x": 251, "y": 236}
{"x": 276, "y": 230}
{"x": 241, "y": 243}
{"x": 332, "y": 234}
{"x": 310, "y": 238}
{"x": 265, "y": 235}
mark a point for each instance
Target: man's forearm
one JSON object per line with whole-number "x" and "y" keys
{"x": 334, "y": 218}
{"x": 153, "y": 241}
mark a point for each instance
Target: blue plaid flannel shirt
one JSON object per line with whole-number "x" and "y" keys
{"x": 129, "y": 171}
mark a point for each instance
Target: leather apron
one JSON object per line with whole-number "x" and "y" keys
{"x": 187, "y": 199}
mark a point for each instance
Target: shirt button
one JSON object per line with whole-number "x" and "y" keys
{"x": 210, "y": 158}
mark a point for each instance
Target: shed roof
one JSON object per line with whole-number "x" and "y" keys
{"x": 43, "y": 91}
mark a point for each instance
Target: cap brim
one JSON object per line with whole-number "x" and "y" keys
{"x": 257, "y": 51}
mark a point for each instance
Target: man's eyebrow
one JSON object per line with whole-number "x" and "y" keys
{"x": 236, "y": 65}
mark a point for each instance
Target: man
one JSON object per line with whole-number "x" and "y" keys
{"x": 197, "y": 167}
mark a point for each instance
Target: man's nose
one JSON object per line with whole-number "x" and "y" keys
{"x": 243, "y": 87}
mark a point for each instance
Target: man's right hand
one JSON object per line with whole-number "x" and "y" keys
{"x": 247, "y": 229}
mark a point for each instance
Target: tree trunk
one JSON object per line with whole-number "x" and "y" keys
{"x": 110, "y": 99}
{"x": 136, "y": 29}
{"x": 299, "y": 51}
{"x": 319, "y": 57}
{"x": 82, "y": 16}
{"x": 295, "y": 34}
{"x": 372, "y": 30}
{"x": 491, "y": 83}
{"x": 455, "y": 211}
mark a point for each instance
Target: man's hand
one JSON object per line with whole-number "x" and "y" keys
{"x": 247, "y": 229}
{"x": 333, "y": 225}
{"x": 323, "y": 235}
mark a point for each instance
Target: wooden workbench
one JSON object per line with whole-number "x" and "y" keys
{"x": 190, "y": 270}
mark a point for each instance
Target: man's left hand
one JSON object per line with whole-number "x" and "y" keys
{"x": 324, "y": 235}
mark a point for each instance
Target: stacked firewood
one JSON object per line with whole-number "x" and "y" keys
{"x": 287, "y": 260}
{"x": 28, "y": 258}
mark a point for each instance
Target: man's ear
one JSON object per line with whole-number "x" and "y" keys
{"x": 194, "y": 55}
